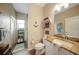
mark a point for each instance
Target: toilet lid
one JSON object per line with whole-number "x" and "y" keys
{"x": 39, "y": 46}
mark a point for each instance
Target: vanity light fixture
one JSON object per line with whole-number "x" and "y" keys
{"x": 57, "y": 8}
{"x": 65, "y": 5}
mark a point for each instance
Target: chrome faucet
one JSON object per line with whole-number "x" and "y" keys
{"x": 65, "y": 36}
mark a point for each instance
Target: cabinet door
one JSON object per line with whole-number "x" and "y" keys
{"x": 65, "y": 52}
{"x": 50, "y": 48}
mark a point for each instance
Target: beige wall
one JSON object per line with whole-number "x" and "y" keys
{"x": 13, "y": 16}
{"x": 35, "y": 13}
{"x": 9, "y": 11}
{"x": 49, "y": 12}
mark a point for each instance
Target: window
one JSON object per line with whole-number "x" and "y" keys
{"x": 20, "y": 24}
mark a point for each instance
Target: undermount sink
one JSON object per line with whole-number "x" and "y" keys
{"x": 62, "y": 43}
{"x": 39, "y": 46}
{"x": 58, "y": 42}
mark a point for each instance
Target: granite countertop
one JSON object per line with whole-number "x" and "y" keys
{"x": 69, "y": 45}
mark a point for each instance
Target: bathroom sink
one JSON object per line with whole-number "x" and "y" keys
{"x": 62, "y": 43}
{"x": 39, "y": 46}
{"x": 58, "y": 42}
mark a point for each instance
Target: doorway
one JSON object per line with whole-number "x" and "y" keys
{"x": 20, "y": 30}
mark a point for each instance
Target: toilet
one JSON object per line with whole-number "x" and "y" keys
{"x": 39, "y": 47}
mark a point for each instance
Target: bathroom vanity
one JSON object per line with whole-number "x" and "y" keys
{"x": 59, "y": 46}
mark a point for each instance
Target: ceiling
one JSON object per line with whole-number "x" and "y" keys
{"x": 23, "y": 7}
{"x": 41, "y": 4}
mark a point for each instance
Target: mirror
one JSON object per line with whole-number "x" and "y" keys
{"x": 67, "y": 21}
{"x": 71, "y": 26}
{"x": 4, "y": 27}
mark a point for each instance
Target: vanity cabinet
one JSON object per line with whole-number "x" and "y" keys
{"x": 50, "y": 49}
{"x": 53, "y": 49}
{"x": 65, "y": 52}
